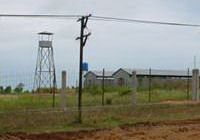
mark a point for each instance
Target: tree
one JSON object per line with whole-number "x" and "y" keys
{"x": 8, "y": 89}
{"x": 19, "y": 88}
{"x": 1, "y": 89}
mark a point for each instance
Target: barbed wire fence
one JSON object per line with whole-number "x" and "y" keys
{"x": 149, "y": 84}
{"x": 36, "y": 110}
{"x": 27, "y": 80}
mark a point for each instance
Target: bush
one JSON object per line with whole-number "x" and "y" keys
{"x": 108, "y": 101}
{"x": 45, "y": 90}
{"x": 8, "y": 89}
{"x": 124, "y": 91}
{"x": 26, "y": 91}
{"x": 94, "y": 90}
{"x": 111, "y": 88}
{"x": 19, "y": 88}
{"x": 1, "y": 89}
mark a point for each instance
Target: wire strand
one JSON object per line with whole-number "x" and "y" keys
{"x": 41, "y": 16}
{"x": 102, "y": 18}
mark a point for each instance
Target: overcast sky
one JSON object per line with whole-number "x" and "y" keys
{"x": 112, "y": 44}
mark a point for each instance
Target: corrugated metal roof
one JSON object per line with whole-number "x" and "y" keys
{"x": 141, "y": 72}
{"x": 159, "y": 72}
{"x": 100, "y": 73}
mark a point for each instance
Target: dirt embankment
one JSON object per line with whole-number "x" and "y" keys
{"x": 174, "y": 130}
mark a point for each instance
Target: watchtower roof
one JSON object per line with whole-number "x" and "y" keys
{"x": 45, "y": 33}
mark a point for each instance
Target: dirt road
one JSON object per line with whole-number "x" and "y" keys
{"x": 175, "y": 130}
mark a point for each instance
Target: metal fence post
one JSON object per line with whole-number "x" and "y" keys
{"x": 150, "y": 85}
{"x": 134, "y": 89}
{"x": 188, "y": 83}
{"x": 63, "y": 90}
{"x": 103, "y": 88}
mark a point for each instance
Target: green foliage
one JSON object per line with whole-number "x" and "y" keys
{"x": 26, "y": 91}
{"x": 8, "y": 90}
{"x": 19, "y": 88}
{"x": 1, "y": 90}
{"x": 94, "y": 90}
{"x": 163, "y": 84}
{"x": 45, "y": 90}
{"x": 111, "y": 88}
{"x": 108, "y": 101}
{"x": 124, "y": 91}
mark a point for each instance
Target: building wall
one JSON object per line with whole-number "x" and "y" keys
{"x": 162, "y": 82}
{"x": 122, "y": 78}
{"x": 143, "y": 81}
{"x": 92, "y": 80}
{"x": 108, "y": 82}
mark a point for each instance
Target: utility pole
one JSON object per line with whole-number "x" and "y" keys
{"x": 83, "y": 38}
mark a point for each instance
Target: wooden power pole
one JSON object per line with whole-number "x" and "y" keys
{"x": 83, "y": 38}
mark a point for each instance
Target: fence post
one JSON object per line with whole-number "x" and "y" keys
{"x": 134, "y": 89}
{"x": 103, "y": 84}
{"x": 150, "y": 85}
{"x": 63, "y": 90}
{"x": 188, "y": 83}
{"x": 195, "y": 84}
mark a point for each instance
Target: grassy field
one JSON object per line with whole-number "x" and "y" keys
{"x": 57, "y": 120}
{"x": 30, "y": 101}
{"x": 34, "y": 113}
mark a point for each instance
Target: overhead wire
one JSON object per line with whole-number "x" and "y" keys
{"x": 115, "y": 19}
{"x": 101, "y": 18}
{"x": 41, "y": 16}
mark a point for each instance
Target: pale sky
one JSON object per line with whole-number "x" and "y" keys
{"x": 112, "y": 44}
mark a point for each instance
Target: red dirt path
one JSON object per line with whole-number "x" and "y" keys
{"x": 174, "y": 130}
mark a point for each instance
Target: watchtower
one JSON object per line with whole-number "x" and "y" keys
{"x": 45, "y": 73}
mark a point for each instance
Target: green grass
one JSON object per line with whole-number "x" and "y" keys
{"x": 36, "y": 122}
{"x": 162, "y": 95}
{"x": 30, "y": 101}
{"x": 14, "y": 116}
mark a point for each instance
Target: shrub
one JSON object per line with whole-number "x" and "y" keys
{"x": 1, "y": 89}
{"x": 111, "y": 88}
{"x": 124, "y": 91}
{"x": 45, "y": 90}
{"x": 8, "y": 89}
{"x": 26, "y": 91}
{"x": 19, "y": 88}
{"x": 94, "y": 90}
{"x": 108, "y": 101}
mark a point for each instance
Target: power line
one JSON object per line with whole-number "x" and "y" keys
{"x": 101, "y": 18}
{"x": 41, "y": 16}
{"x": 115, "y": 19}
